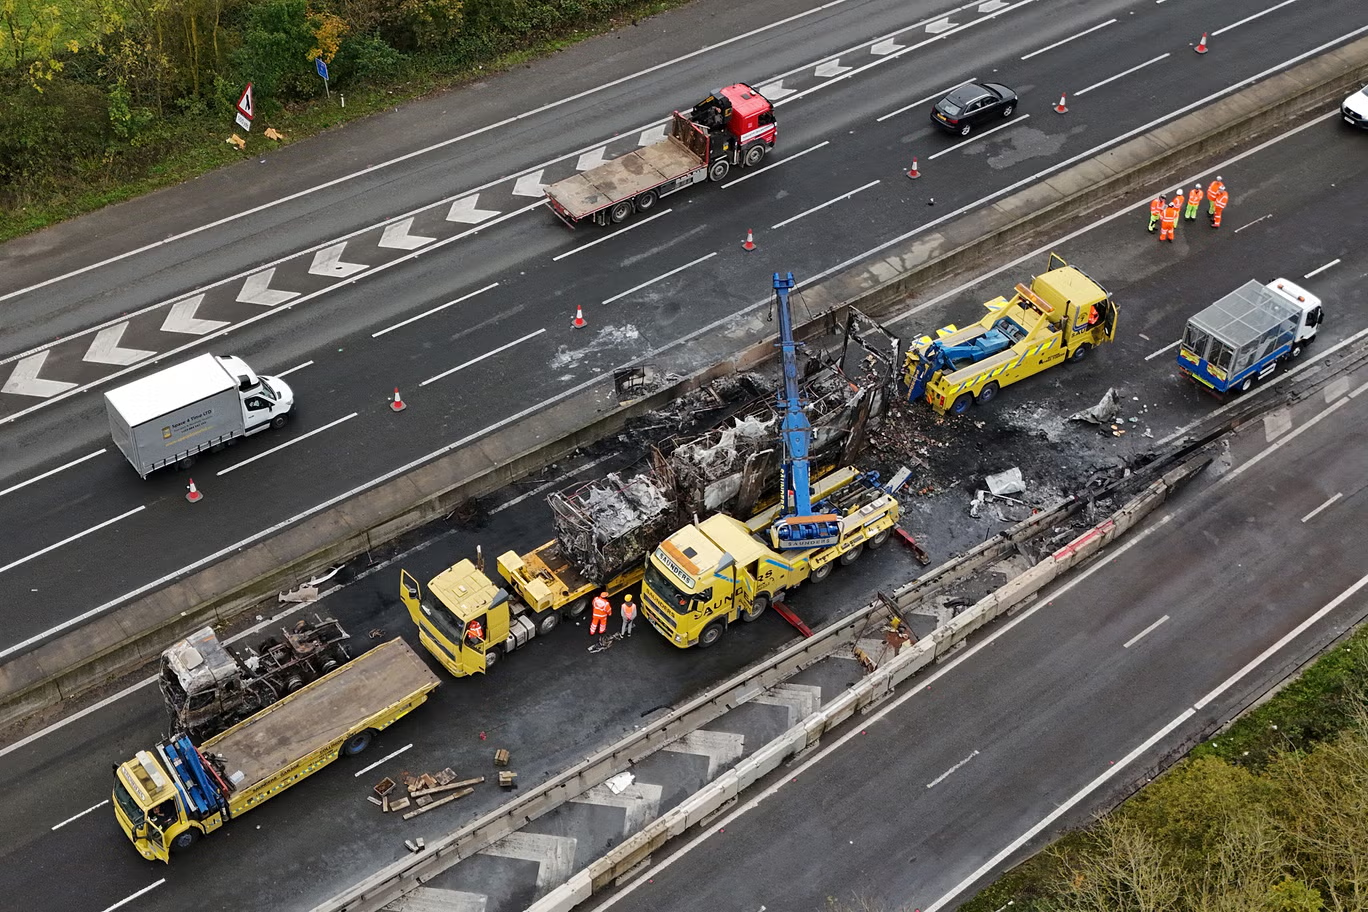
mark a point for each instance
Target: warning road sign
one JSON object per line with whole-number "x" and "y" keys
{"x": 244, "y": 105}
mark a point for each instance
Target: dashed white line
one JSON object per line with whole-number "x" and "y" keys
{"x": 1110, "y": 79}
{"x": 946, "y": 775}
{"x": 609, "y": 237}
{"x": 289, "y": 443}
{"x": 1334, "y": 262}
{"x": 830, "y": 202}
{"x": 921, "y": 101}
{"x": 58, "y": 826}
{"x": 1142, "y": 634}
{"x": 385, "y": 759}
{"x": 1051, "y": 47}
{"x": 1322, "y": 506}
{"x": 1255, "y": 222}
{"x": 298, "y": 367}
{"x": 65, "y": 541}
{"x": 489, "y": 354}
{"x": 782, "y": 161}
{"x": 49, "y": 472}
{"x": 960, "y": 145}
{"x": 1170, "y": 347}
{"x": 1252, "y": 18}
{"x": 649, "y": 282}
{"x": 128, "y": 899}
{"x": 437, "y": 309}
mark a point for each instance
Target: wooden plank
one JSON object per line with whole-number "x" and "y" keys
{"x": 447, "y": 788}
{"x": 438, "y": 803}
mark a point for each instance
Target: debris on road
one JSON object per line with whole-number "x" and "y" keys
{"x": 1006, "y": 482}
{"x": 501, "y": 757}
{"x": 618, "y": 784}
{"x": 1104, "y": 412}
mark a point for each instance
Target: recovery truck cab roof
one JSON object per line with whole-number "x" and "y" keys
{"x": 1067, "y": 285}
{"x": 466, "y": 591}
{"x": 145, "y": 780}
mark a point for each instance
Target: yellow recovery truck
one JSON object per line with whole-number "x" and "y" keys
{"x": 1062, "y": 316}
{"x": 707, "y": 575}
{"x": 166, "y": 798}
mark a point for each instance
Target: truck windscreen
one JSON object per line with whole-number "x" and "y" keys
{"x": 128, "y": 805}
{"x": 677, "y": 599}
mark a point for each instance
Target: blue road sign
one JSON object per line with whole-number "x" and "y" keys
{"x": 321, "y": 67}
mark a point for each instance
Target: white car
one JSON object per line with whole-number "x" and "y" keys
{"x": 1355, "y": 109}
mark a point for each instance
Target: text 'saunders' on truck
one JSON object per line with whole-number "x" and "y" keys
{"x": 734, "y": 126}
{"x": 1245, "y": 335}
{"x": 206, "y": 403}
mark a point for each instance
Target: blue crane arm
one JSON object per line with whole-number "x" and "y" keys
{"x": 937, "y": 357}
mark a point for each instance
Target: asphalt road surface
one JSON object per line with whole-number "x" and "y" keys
{"x": 474, "y": 327}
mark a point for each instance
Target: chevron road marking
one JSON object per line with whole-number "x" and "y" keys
{"x": 590, "y": 159}
{"x": 529, "y": 185}
{"x": 830, "y": 68}
{"x": 464, "y": 211}
{"x": 24, "y": 379}
{"x": 640, "y": 801}
{"x": 887, "y": 46}
{"x": 431, "y": 899}
{"x": 651, "y": 135}
{"x": 721, "y": 748}
{"x": 328, "y": 262}
{"x": 104, "y": 348}
{"x": 991, "y": 6}
{"x": 775, "y": 90}
{"x": 940, "y": 25}
{"x": 396, "y": 236}
{"x": 257, "y": 290}
{"x": 180, "y": 318}
{"x": 801, "y": 700}
{"x": 554, "y": 854}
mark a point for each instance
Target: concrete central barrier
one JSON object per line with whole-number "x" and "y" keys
{"x": 252, "y": 572}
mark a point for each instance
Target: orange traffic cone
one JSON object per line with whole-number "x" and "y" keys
{"x": 914, "y": 173}
{"x": 1201, "y": 47}
{"x": 398, "y": 404}
{"x": 578, "y": 322}
{"x": 192, "y": 493}
{"x": 749, "y": 243}
{"x": 1061, "y": 108}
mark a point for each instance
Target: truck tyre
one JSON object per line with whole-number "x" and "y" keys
{"x": 719, "y": 170}
{"x": 185, "y": 462}
{"x": 646, "y": 201}
{"x": 1296, "y": 350}
{"x": 547, "y": 623}
{"x": 492, "y": 657}
{"x": 988, "y": 393}
{"x": 185, "y": 840}
{"x": 711, "y": 634}
{"x": 1080, "y": 353}
{"x": 820, "y": 573}
{"x": 279, "y": 421}
{"x": 619, "y": 213}
{"x": 758, "y": 606}
{"x": 1248, "y": 382}
{"x": 852, "y": 555}
{"x": 879, "y": 539}
{"x": 575, "y": 608}
{"x": 753, "y": 155}
{"x": 962, "y": 404}
{"x": 358, "y": 742}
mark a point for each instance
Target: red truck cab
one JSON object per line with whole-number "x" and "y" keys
{"x": 748, "y": 119}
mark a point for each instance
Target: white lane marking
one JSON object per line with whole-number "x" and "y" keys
{"x": 24, "y": 379}
{"x": 58, "y": 826}
{"x": 181, "y": 318}
{"x": 857, "y": 731}
{"x": 1124, "y": 210}
{"x": 1170, "y": 347}
{"x": 1109, "y": 79}
{"x": 1322, "y": 506}
{"x": 1255, "y": 222}
{"x": 105, "y": 348}
{"x": 658, "y": 278}
{"x": 934, "y": 96}
{"x": 609, "y": 237}
{"x": 489, "y": 354}
{"x": 1354, "y": 394}
{"x": 1141, "y": 635}
{"x": 68, "y": 465}
{"x": 783, "y": 161}
{"x": 1252, "y": 18}
{"x": 560, "y": 480}
{"x": 1334, "y": 262}
{"x": 960, "y": 145}
{"x": 1051, "y": 47}
{"x": 65, "y": 541}
{"x": 289, "y": 443}
{"x": 297, "y": 367}
{"x": 128, "y": 899}
{"x": 359, "y": 773}
{"x": 946, "y": 775}
{"x": 437, "y": 309}
{"x": 830, "y": 202}
{"x": 370, "y": 169}
{"x": 1274, "y": 447}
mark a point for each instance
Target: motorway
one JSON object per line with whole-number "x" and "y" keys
{"x": 1054, "y": 669}
{"x": 448, "y": 296}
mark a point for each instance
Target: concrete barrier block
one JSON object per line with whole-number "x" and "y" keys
{"x": 839, "y": 709}
{"x": 565, "y": 897}
{"x": 917, "y": 659}
{"x": 763, "y": 762}
{"x": 675, "y": 822}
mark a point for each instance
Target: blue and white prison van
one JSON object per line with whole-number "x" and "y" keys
{"x": 1245, "y": 335}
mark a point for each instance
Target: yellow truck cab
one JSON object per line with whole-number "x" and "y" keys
{"x": 1063, "y": 315}
{"x": 707, "y": 575}
{"x": 465, "y": 620}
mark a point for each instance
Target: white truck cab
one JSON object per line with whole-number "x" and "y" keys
{"x": 266, "y": 401}
{"x": 1307, "y": 304}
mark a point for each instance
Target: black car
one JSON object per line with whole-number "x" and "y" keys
{"x": 973, "y": 105}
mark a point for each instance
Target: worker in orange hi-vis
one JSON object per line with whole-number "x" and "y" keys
{"x": 628, "y": 615}
{"x": 1169, "y": 222}
{"x": 1194, "y": 202}
{"x": 1178, "y": 199}
{"x": 602, "y": 609}
{"x": 1218, "y": 204}
{"x": 1156, "y": 213}
{"x": 1213, "y": 188}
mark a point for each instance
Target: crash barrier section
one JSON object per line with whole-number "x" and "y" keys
{"x": 871, "y": 691}
{"x": 244, "y": 577}
{"x": 391, "y": 882}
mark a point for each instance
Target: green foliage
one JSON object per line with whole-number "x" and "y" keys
{"x": 274, "y": 55}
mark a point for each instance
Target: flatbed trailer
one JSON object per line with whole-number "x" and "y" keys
{"x": 166, "y": 798}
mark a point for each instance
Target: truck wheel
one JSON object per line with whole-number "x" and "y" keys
{"x": 754, "y": 155}
{"x": 646, "y": 201}
{"x": 719, "y": 170}
{"x": 358, "y": 742}
{"x": 988, "y": 393}
{"x": 1080, "y": 353}
{"x": 757, "y": 608}
{"x": 852, "y": 555}
{"x": 185, "y": 840}
{"x": 962, "y": 404}
{"x": 185, "y": 462}
{"x": 618, "y": 214}
{"x": 279, "y": 421}
{"x": 492, "y": 657}
{"x": 820, "y": 573}
{"x": 1296, "y": 351}
{"x": 547, "y": 623}
{"x": 711, "y": 634}
{"x": 575, "y": 608}
{"x": 1248, "y": 382}
{"x": 879, "y": 540}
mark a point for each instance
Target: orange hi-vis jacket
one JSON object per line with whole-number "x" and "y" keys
{"x": 1171, "y": 214}
{"x": 1214, "y": 188}
{"x": 1178, "y": 200}
{"x": 1157, "y": 208}
{"x": 1221, "y": 198}
{"x": 602, "y": 608}
{"x": 1195, "y": 196}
